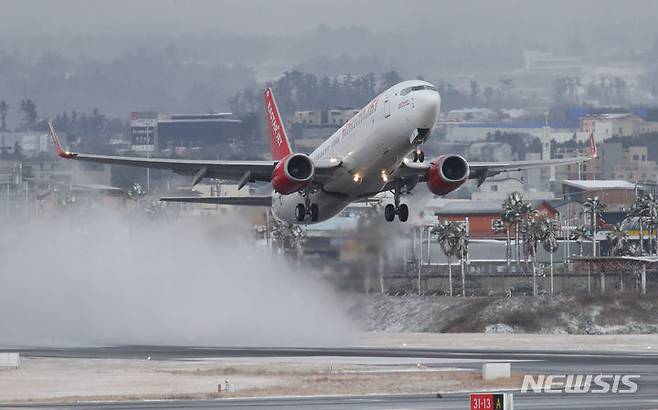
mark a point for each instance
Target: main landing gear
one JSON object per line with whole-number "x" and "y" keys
{"x": 307, "y": 208}
{"x": 401, "y": 210}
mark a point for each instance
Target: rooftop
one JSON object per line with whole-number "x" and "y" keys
{"x": 611, "y": 116}
{"x": 599, "y": 184}
{"x": 471, "y": 207}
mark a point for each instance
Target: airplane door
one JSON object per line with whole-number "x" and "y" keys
{"x": 387, "y": 107}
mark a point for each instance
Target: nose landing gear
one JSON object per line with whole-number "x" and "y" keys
{"x": 419, "y": 155}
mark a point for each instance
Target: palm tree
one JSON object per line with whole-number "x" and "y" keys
{"x": 461, "y": 251}
{"x": 512, "y": 207}
{"x": 136, "y": 192}
{"x": 579, "y": 234}
{"x": 638, "y": 210}
{"x": 619, "y": 239}
{"x": 445, "y": 232}
{"x": 499, "y": 226}
{"x": 531, "y": 235}
{"x": 549, "y": 229}
{"x": 651, "y": 211}
{"x": 528, "y": 213}
{"x": 594, "y": 207}
{"x": 453, "y": 238}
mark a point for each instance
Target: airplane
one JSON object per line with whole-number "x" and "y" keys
{"x": 367, "y": 155}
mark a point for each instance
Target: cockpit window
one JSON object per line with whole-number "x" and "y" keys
{"x": 407, "y": 90}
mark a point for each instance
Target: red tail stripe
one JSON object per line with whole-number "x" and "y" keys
{"x": 278, "y": 137}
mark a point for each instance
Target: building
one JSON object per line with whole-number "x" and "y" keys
{"x": 635, "y": 166}
{"x": 479, "y": 214}
{"x": 334, "y": 117}
{"x": 151, "y": 131}
{"x": 616, "y": 124}
{"x": 546, "y": 62}
{"x": 471, "y": 114}
{"x": 614, "y": 161}
{"x": 31, "y": 143}
{"x": 570, "y": 212}
{"x": 616, "y": 194}
{"x": 308, "y": 129}
{"x": 499, "y": 188}
{"x": 592, "y": 169}
{"x": 466, "y": 132}
{"x": 489, "y": 151}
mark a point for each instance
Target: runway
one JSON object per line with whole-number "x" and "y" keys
{"x": 534, "y": 362}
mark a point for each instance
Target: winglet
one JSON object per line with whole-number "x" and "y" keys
{"x": 592, "y": 145}
{"x": 58, "y": 146}
{"x": 278, "y": 137}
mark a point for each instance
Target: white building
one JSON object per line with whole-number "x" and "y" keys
{"x": 499, "y": 189}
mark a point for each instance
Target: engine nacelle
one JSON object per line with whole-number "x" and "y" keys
{"x": 293, "y": 173}
{"x": 447, "y": 173}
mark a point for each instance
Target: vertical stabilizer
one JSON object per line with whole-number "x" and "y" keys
{"x": 278, "y": 137}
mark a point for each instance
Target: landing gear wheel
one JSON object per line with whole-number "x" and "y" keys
{"x": 300, "y": 212}
{"x": 389, "y": 213}
{"x": 315, "y": 212}
{"x": 403, "y": 213}
{"x": 419, "y": 156}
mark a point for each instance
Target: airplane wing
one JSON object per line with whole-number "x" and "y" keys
{"x": 487, "y": 169}
{"x": 483, "y": 170}
{"x": 243, "y": 171}
{"x": 262, "y": 200}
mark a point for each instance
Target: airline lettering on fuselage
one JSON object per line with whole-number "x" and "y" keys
{"x": 364, "y": 114}
{"x": 276, "y": 129}
{"x": 346, "y": 129}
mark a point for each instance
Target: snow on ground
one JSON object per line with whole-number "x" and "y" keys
{"x": 622, "y": 313}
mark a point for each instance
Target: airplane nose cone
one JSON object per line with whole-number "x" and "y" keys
{"x": 428, "y": 104}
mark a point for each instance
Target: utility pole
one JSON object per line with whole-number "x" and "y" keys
{"x": 420, "y": 257}
{"x": 148, "y": 156}
{"x": 429, "y": 242}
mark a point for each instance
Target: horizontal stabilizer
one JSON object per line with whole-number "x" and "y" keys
{"x": 223, "y": 200}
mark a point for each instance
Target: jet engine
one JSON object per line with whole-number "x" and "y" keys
{"x": 447, "y": 173}
{"x": 293, "y": 173}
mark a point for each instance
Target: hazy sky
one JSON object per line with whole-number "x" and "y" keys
{"x": 178, "y": 54}
{"x": 289, "y": 16}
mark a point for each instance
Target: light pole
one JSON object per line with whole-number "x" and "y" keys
{"x": 148, "y": 170}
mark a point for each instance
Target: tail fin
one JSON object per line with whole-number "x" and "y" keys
{"x": 278, "y": 136}
{"x": 592, "y": 145}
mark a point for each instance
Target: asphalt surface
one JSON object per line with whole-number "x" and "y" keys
{"x": 535, "y": 362}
